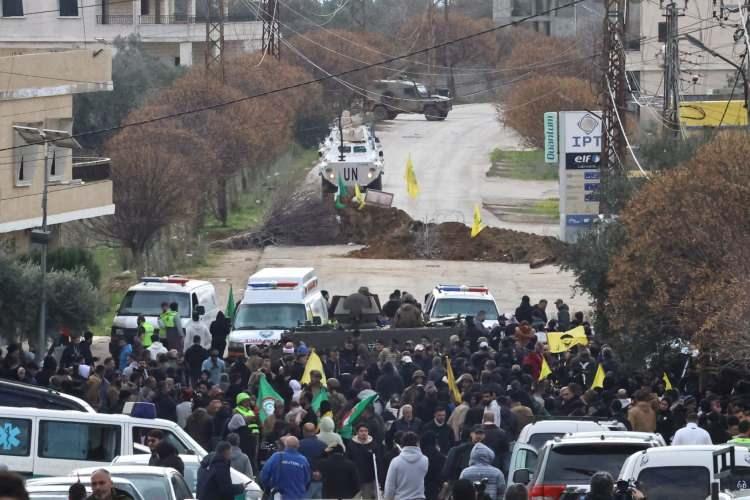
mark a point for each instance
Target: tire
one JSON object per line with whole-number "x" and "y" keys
{"x": 377, "y": 184}
{"x": 443, "y": 114}
{"x": 381, "y": 113}
{"x": 431, "y": 113}
{"x": 392, "y": 114}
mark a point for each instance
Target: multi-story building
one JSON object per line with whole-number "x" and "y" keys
{"x": 568, "y": 22}
{"x": 37, "y": 92}
{"x": 703, "y": 76}
{"x": 173, "y": 30}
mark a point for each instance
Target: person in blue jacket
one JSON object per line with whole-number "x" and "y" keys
{"x": 287, "y": 472}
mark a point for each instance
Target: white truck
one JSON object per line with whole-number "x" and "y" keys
{"x": 353, "y": 155}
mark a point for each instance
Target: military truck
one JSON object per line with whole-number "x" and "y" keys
{"x": 389, "y": 98}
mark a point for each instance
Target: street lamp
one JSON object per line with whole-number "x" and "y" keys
{"x": 61, "y": 139}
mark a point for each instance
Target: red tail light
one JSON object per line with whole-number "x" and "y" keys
{"x": 547, "y": 491}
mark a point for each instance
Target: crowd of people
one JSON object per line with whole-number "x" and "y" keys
{"x": 420, "y": 439}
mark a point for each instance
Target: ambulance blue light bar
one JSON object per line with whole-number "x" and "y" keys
{"x": 157, "y": 279}
{"x": 273, "y": 285}
{"x": 462, "y": 288}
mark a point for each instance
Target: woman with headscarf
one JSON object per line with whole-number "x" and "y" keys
{"x": 220, "y": 329}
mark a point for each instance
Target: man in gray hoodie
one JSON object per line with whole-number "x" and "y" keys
{"x": 480, "y": 467}
{"x": 405, "y": 478}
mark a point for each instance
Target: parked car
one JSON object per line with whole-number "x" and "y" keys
{"x": 534, "y": 435}
{"x": 570, "y": 461}
{"x": 56, "y": 488}
{"x": 192, "y": 464}
{"x": 152, "y": 482}
{"x": 21, "y": 395}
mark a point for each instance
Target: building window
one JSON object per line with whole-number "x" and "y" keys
{"x": 633, "y": 26}
{"x": 57, "y": 157}
{"x": 78, "y": 441}
{"x": 12, "y": 8}
{"x": 145, "y": 10}
{"x": 25, "y": 157}
{"x": 68, "y": 8}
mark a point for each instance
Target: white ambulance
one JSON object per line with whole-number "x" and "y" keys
{"x": 276, "y": 300}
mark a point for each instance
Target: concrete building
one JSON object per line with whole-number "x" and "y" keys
{"x": 173, "y": 30}
{"x": 703, "y": 76}
{"x": 575, "y": 21}
{"x": 37, "y": 91}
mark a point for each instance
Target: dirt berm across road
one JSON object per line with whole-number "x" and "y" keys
{"x": 389, "y": 233}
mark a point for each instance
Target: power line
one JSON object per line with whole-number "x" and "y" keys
{"x": 317, "y": 80}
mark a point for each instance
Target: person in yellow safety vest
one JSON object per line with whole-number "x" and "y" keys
{"x": 243, "y": 408}
{"x": 170, "y": 323}
{"x": 148, "y": 331}
{"x": 743, "y": 438}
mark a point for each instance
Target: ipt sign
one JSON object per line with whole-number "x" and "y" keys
{"x": 583, "y": 133}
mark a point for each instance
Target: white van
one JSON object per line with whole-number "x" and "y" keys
{"x": 146, "y": 299}
{"x": 56, "y": 442}
{"x": 687, "y": 472}
{"x": 276, "y": 300}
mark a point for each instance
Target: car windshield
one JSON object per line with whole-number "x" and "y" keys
{"x": 464, "y": 307}
{"x": 269, "y": 316}
{"x": 149, "y": 303}
{"x": 668, "y": 483}
{"x": 150, "y": 485}
{"x": 576, "y": 464}
{"x": 422, "y": 91}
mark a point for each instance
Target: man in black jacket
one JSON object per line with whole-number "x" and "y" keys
{"x": 340, "y": 477}
{"x": 442, "y": 431}
{"x": 458, "y": 457}
{"x": 360, "y": 450}
{"x": 214, "y": 479}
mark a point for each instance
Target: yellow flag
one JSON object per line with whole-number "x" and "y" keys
{"x": 412, "y": 186}
{"x": 477, "y": 226}
{"x": 598, "y": 378}
{"x": 667, "y": 382}
{"x": 313, "y": 363}
{"x": 546, "y": 371}
{"x": 359, "y": 196}
{"x": 452, "y": 387}
{"x": 562, "y": 341}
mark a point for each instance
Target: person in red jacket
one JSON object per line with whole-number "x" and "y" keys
{"x": 534, "y": 360}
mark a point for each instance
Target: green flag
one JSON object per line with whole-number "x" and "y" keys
{"x": 340, "y": 193}
{"x": 322, "y": 396}
{"x": 267, "y": 398}
{"x": 231, "y": 307}
{"x": 347, "y": 426}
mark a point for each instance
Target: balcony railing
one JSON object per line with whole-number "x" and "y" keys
{"x": 199, "y": 19}
{"x": 114, "y": 19}
{"x": 171, "y": 19}
{"x": 90, "y": 169}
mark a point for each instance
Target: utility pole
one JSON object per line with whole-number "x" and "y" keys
{"x": 612, "y": 99}
{"x": 447, "y": 59}
{"x": 214, "y": 56}
{"x": 271, "y": 41}
{"x": 61, "y": 139}
{"x": 671, "y": 110}
{"x": 431, "y": 40}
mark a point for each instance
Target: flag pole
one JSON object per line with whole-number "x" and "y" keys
{"x": 377, "y": 481}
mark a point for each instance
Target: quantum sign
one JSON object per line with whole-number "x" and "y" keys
{"x": 550, "y": 137}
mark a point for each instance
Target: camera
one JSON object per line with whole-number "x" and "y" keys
{"x": 481, "y": 489}
{"x": 625, "y": 490}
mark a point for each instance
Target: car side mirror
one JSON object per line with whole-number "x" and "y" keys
{"x": 381, "y": 154}
{"x": 522, "y": 476}
{"x": 317, "y": 321}
{"x": 201, "y": 310}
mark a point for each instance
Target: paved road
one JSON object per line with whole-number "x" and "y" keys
{"x": 451, "y": 159}
{"x": 342, "y": 275}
